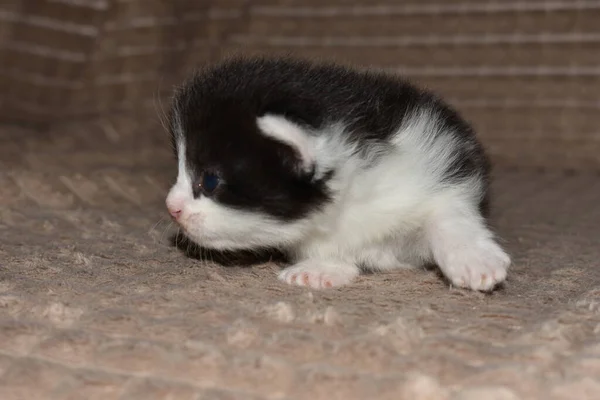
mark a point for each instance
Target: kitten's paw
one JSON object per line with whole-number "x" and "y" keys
{"x": 478, "y": 267}
{"x": 319, "y": 274}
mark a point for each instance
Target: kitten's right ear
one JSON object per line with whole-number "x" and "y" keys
{"x": 292, "y": 135}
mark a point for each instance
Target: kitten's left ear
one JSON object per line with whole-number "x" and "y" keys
{"x": 292, "y": 135}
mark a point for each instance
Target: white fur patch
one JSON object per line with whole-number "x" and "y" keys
{"x": 213, "y": 225}
{"x": 181, "y": 193}
{"x": 289, "y": 133}
{"x": 383, "y": 210}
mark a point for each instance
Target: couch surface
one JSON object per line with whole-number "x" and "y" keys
{"x": 97, "y": 303}
{"x": 98, "y": 300}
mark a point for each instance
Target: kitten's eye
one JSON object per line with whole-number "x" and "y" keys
{"x": 209, "y": 182}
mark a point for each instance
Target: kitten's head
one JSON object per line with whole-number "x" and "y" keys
{"x": 245, "y": 179}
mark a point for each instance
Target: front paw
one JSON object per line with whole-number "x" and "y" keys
{"x": 319, "y": 274}
{"x": 476, "y": 267}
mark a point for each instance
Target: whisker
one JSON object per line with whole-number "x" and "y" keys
{"x": 165, "y": 230}
{"x": 177, "y": 238}
{"x": 212, "y": 257}
{"x": 156, "y": 224}
{"x": 203, "y": 256}
{"x": 159, "y": 108}
{"x": 200, "y": 253}
{"x": 187, "y": 247}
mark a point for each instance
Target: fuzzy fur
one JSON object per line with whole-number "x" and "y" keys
{"x": 342, "y": 169}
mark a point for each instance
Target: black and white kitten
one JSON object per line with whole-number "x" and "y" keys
{"x": 342, "y": 169}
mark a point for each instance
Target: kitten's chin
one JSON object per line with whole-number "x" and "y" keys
{"x": 234, "y": 245}
{"x": 260, "y": 234}
{"x": 217, "y": 244}
{"x": 225, "y": 245}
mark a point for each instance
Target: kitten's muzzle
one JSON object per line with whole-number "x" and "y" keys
{"x": 175, "y": 212}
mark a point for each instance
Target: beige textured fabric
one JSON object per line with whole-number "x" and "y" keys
{"x": 526, "y": 72}
{"x": 96, "y": 304}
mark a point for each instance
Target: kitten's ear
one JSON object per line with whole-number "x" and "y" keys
{"x": 292, "y": 135}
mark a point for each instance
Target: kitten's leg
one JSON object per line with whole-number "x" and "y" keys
{"x": 386, "y": 256}
{"x": 319, "y": 274}
{"x": 465, "y": 249}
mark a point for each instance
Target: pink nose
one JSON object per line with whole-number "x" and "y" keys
{"x": 175, "y": 213}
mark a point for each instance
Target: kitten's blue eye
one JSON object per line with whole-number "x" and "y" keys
{"x": 209, "y": 182}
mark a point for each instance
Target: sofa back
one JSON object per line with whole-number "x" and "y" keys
{"x": 525, "y": 72}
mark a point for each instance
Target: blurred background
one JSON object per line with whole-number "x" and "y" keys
{"x": 525, "y": 72}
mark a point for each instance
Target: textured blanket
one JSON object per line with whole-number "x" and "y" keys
{"x": 97, "y": 301}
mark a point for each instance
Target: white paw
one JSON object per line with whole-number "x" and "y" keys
{"x": 478, "y": 266}
{"x": 319, "y": 274}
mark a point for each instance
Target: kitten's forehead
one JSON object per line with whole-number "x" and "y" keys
{"x": 186, "y": 141}
{"x": 177, "y": 128}
{"x": 184, "y": 175}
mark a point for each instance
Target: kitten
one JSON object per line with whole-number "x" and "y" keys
{"x": 342, "y": 169}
